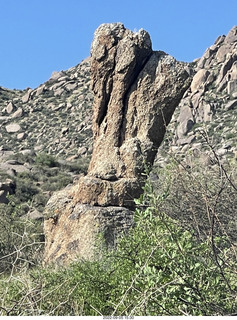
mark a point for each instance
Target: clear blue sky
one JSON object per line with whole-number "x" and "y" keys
{"x": 42, "y": 36}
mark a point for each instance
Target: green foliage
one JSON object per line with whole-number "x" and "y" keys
{"x": 79, "y": 166}
{"x": 162, "y": 267}
{"x": 231, "y": 135}
{"x": 45, "y": 159}
{"x": 25, "y": 190}
{"x": 56, "y": 182}
{"x": 159, "y": 269}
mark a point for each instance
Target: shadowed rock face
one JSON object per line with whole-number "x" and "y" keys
{"x": 135, "y": 91}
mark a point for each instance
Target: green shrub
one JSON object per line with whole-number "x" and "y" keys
{"x": 159, "y": 269}
{"x": 230, "y": 135}
{"x": 79, "y": 166}
{"x": 25, "y": 190}
{"x": 45, "y": 159}
{"x": 179, "y": 259}
{"x": 57, "y": 182}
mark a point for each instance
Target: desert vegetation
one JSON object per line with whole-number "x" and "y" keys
{"x": 21, "y": 219}
{"x": 179, "y": 259}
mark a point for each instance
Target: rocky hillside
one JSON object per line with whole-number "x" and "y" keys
{"x": 55, "y": 119}
{"x": 208, "y": 107}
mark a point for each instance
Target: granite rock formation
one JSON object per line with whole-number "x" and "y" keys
{"x": 136, "y": 92}
{"x": 216, "y": 69}
{"x": 209, "y": 106}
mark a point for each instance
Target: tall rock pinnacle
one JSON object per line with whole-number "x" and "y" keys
{"x": 136, "y": 92}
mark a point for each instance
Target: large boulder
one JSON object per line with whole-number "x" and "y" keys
{"x": 136, "y": 92}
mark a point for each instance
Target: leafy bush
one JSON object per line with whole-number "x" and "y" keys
{"x": 162, "y": 267}
{"x": 80, "y": 166}
{"x": 22, "y": 158}
{"x": 179, "y": 259}
{"x": 45, "y": 159}
{"x": 57, "y": 182}
{"x": 159, "y": 269}
{"x": 25, "y": 190}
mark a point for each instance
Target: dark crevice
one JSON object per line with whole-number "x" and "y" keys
{"x": 104, "y": 109}
{"x": 136, "y": 72}
{"x": 110, "y": 179}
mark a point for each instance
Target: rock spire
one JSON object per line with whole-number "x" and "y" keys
{"x": 136, "y": 91}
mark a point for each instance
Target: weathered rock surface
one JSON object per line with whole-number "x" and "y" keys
{"x": 211, "y": 98}
{"x": 136, "y": 92}
{"x": 72, "y": 227}
{"x": 10, "y": 107}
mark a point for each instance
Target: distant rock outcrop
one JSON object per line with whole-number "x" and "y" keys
{"x": 136, "y": 92}
{"x": 36, "y": 118}
{"x": 211, "y": 100}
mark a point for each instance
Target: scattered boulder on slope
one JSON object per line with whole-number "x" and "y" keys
{"x": 13, "y": 127}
